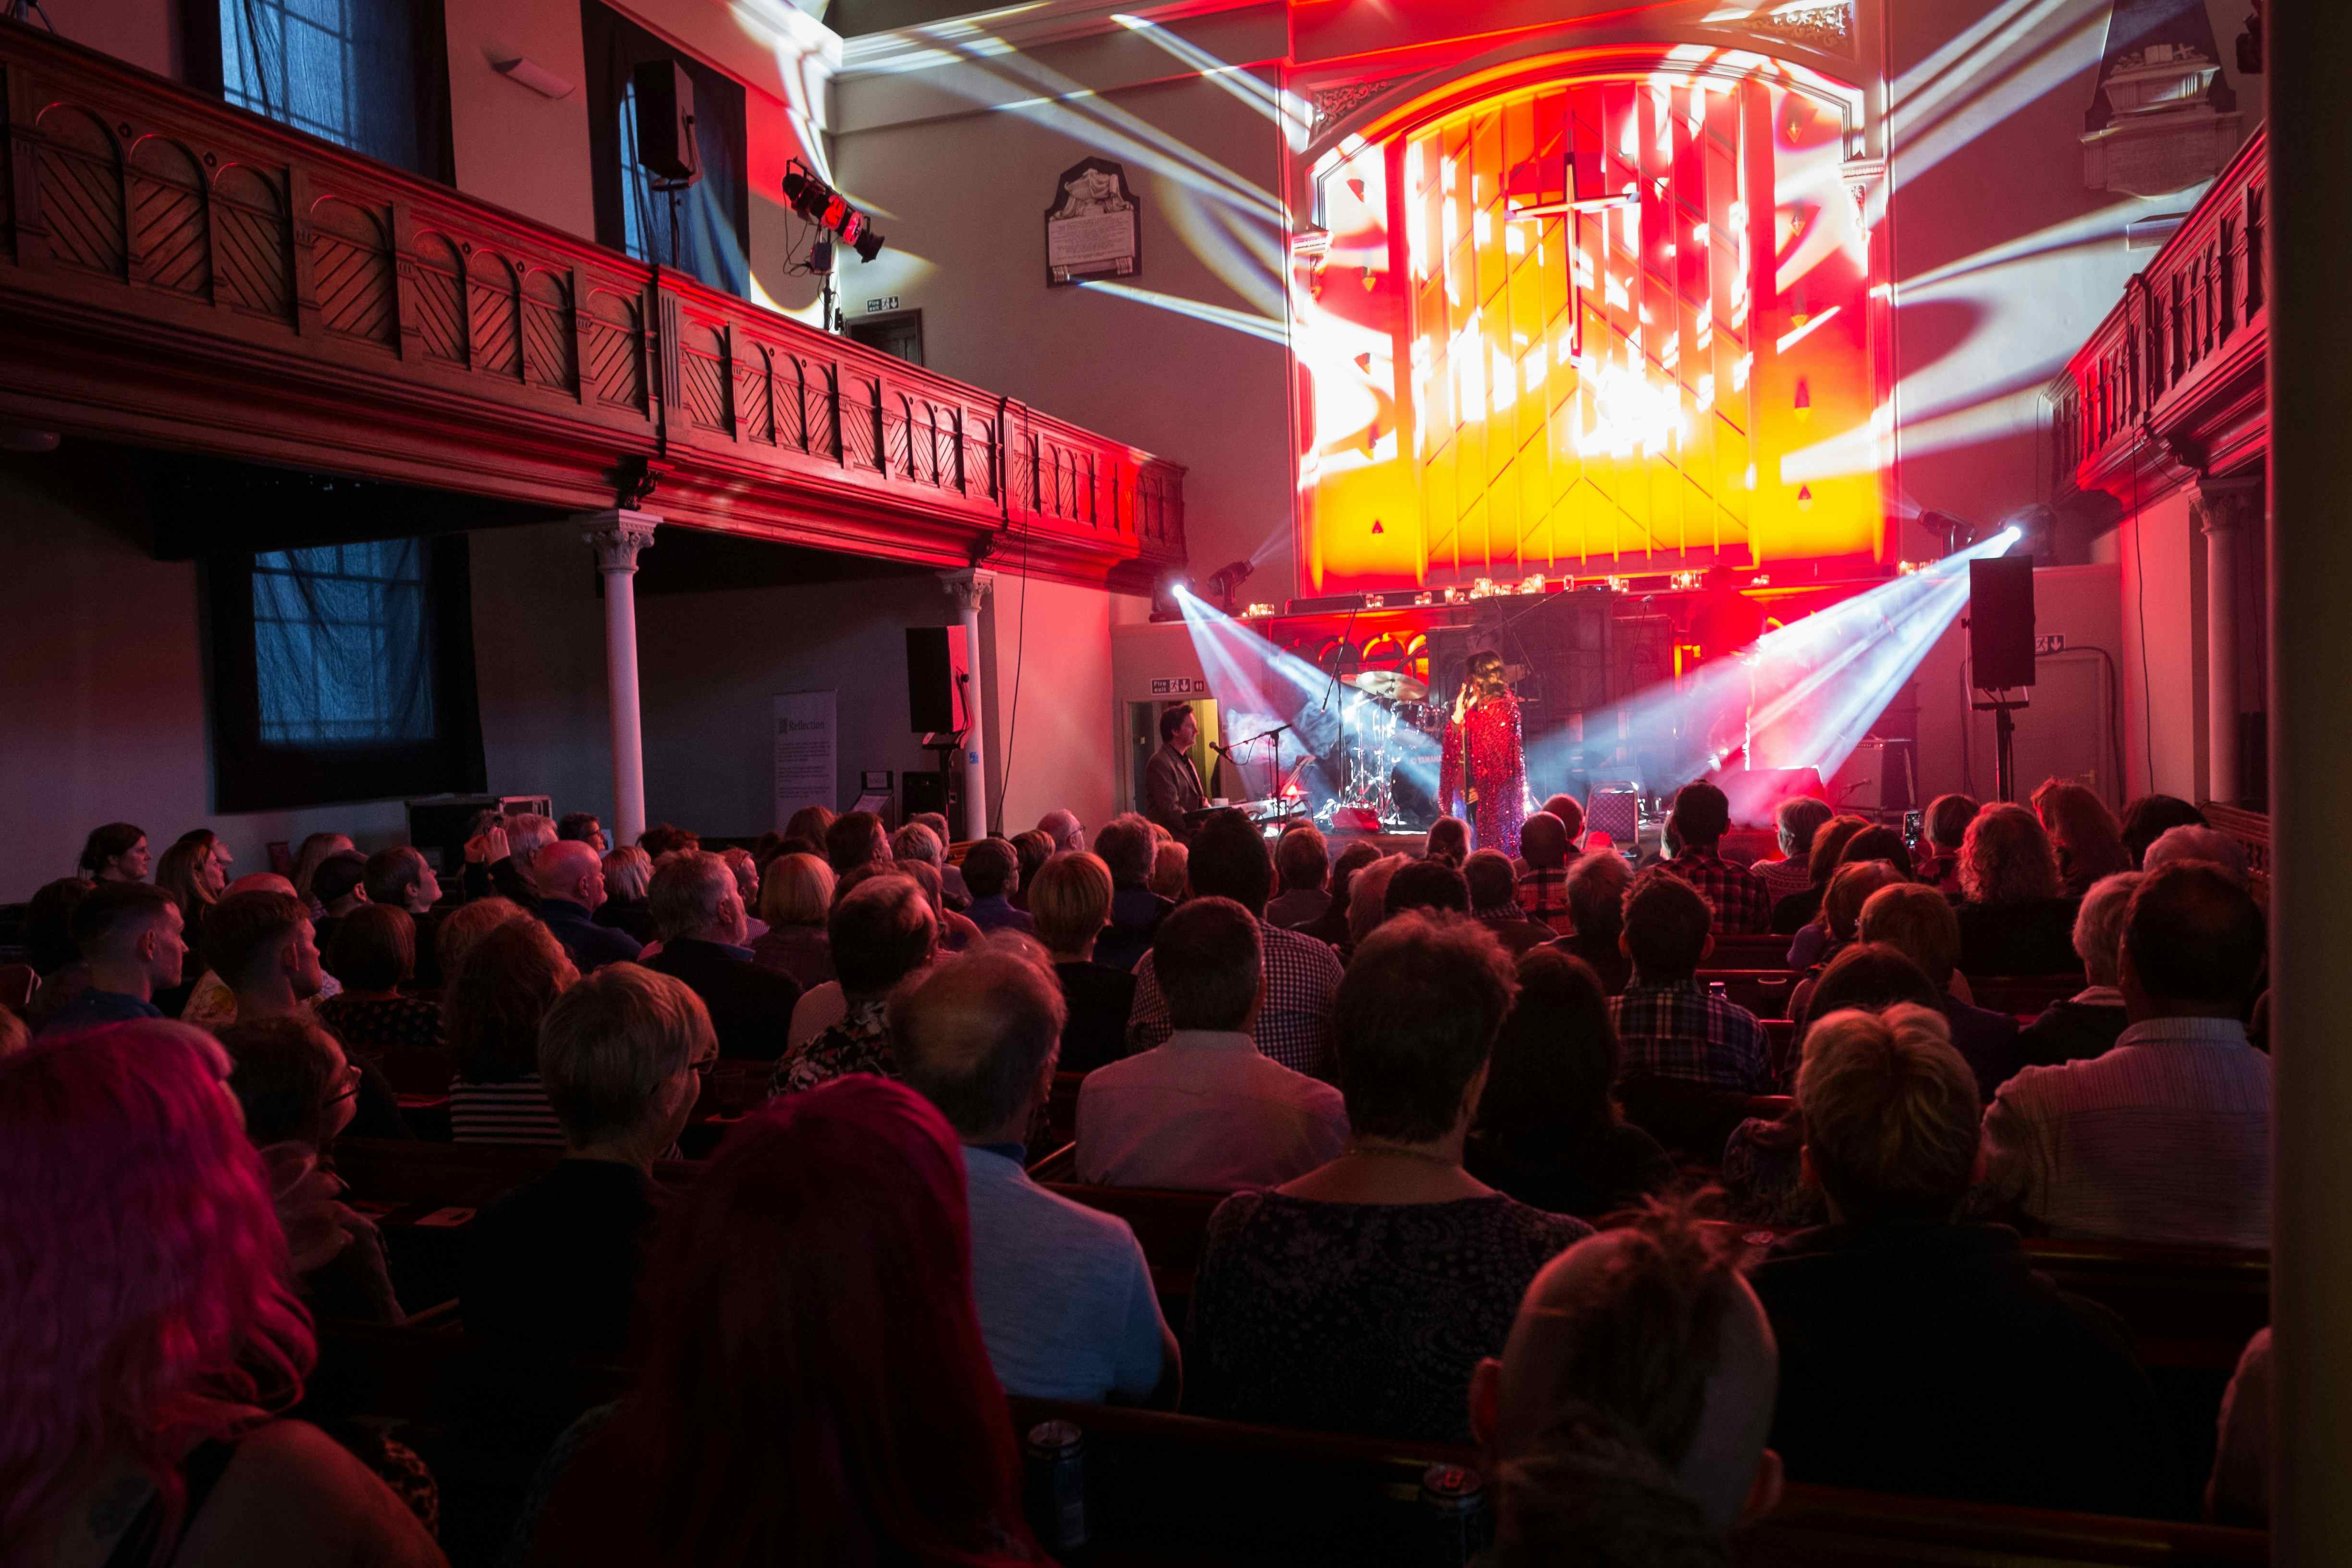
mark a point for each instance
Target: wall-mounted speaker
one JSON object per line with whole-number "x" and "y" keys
{"x": 665, "y": 101}
{"x": 938, "y": 668}
{"x": 2000, "y": 622}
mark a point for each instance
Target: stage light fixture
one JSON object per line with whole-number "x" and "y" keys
{"x": 1225, "y": 581}
{"x": 829, "y": 209}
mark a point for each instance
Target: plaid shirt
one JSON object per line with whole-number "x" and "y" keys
{"x": 1543, "y": 895}
{"x": 1293, "y": 1024}
{"x": 1742, "y": 906}
{"x": 1683, "y": 1030}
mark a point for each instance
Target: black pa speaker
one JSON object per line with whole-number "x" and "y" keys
{"x": 665, "y": 99}
{"x": 2000, "y": 622}
{"x": 937, "y": 669}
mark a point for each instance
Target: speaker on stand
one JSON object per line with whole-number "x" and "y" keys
{"x": 2001, "y": 652}
{"x": 664, "y": 96}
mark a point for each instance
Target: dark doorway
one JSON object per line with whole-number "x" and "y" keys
{"x": 897, "y": 333}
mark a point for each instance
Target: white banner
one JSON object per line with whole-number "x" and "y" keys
{"x": 808, "y": 743}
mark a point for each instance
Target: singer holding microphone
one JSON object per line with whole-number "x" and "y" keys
{"x": 1482, "y": 774}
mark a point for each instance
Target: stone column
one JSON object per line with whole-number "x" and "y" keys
{"x": 2220, "y": 509}
{"x": 970, "y": 590}
{"x": 617, "y": 536}
{"x": 2310, "y": 407}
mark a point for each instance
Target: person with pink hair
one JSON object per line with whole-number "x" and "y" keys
{"x": 144, "y": 1353}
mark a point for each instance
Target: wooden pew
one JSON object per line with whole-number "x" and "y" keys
{"x": 2187, "y": 1307}
{"x": 1763, "y": 992}
{"x": 2024, "y": 994}
{"x": 1750, "y": 953}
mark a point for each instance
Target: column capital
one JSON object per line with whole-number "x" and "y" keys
{"x": 969, "y": 587}
{"x": 2223, "y": 506}
{"x": 616, "y": 535}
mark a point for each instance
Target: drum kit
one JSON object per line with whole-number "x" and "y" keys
{"x": 1395, "y": 727}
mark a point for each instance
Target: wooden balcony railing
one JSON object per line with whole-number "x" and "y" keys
{"x": 2176, "y": 367}
{"x": 175, "y": 271}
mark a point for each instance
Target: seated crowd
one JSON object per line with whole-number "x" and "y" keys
{"x": 1409, "y": 1088}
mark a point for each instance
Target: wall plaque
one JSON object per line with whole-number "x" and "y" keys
{"x": 1093, "y": 227}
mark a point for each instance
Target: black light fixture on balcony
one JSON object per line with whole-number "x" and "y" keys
{"x": 822, "y": 204}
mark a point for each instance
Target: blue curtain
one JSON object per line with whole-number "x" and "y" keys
{"x": 369, "y": 75}
{"x": 714, "y": 214}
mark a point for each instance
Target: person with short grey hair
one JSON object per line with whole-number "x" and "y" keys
{"x": 1796, "y": 819}
{"x": 1067, "y": 1304}
{"x": 553, "y": 1266}
{"x": 2209, "y": 845}
{"x": 2088, "y": 1023}
{"x": 697, "y": 906}
{"x": 1597, "y": 881}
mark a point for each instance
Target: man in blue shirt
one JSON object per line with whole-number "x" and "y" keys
{"x": 991, "y": 870}
{"x": 128, "y": 934}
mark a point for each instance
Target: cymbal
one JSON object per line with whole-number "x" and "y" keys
{"x": 1393, "y": 685}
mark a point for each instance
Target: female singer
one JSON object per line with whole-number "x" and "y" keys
{"x": 1482, "y": 773}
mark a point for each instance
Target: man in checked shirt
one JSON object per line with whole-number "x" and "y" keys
{"x": 1669, "y": 1024}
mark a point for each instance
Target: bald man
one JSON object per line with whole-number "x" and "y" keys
{"x": 570, "y": 880}
{"x": 1630, "y": 1410}
{"x": 1068, "y": 834}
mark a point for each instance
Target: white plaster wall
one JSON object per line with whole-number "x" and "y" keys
{"x": 1064, "y": 739}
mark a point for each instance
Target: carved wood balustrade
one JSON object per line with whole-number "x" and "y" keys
{"x": 175, "y": 271}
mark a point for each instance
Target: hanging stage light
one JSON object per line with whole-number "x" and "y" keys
{"x": 822, "y": 204}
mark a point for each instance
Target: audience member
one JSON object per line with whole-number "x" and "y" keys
{"x": 1071, "y": 905}
{"x": 1850, "y": 886}
{"x": 1433, "y": 885}
{"x": 2209, "y": 845}
{"x": 144, "y": 1363}
{"x": 1357, "y": 1298}
{"x": 1917, "y": 922}
{"x": 810, "y": 822}
{"x": 2238, "y": 1492}
{"x": 1033, "y": 849}
{"x": 956, "y": 931}
{"x": 1368, "y": 906}
{"x": 1448, "y": 841}
{"x": 698, "y": 909}
{"x": 552, "y": 1267}
{"x": 1128, "y": 846}
{"x": 1571, "y": 814}
{"x": 745, "y": 871}
{"x": 13, "y": 1034}
{"x": 297, "y": 1091}
{"x": 880, "y": 933}
{"x": 2166, "y": 1136}
{"x": 467, "y": 925}
{"x": 1669, "y": 1023}
{"x": 1596, "y": 913}
{"x": 115, "y": 853}
{"x": 570, "y": 877}
{"x": 1063, "y": 827}
{"x": 1791, "y": 914}
{"x": 499, "y": 861}
{"x": 2151, "y": 817}
{"x": 2087, "y": 1024}
{"x": 950, "y": 875}
{"x": 991, "y": 870}
{"x": 1734, "y": 895}
{"x": 1927, "y": 1358}
{"x": 2083, "y": 835}
{"x": 856, "y": 839}
{"x": 1065, "y": 1301}
{"x": 1943, "y": 829}
{"x": 1331, "y": 925}
{"x": 497, "y": 999}
{"x": 1494, "y": 889}
{"x": 402, "y": 878}
{"x": 662, "y": 838}
{"x": 815, "y": 1386}
{"x": 1171, "y": 872}
{"x": 49, "y": 938}
{"x": 1626, "y": 1424}
{"x": 262, "y": 953}
{"x": 128, "y": 934}
{"x": 1548, "y": 1133}
{"x": 628, "y": 904}
{"x": 2014, "y": 918}
{"x": 338, "y": 887}
{"x": 194, "y": 872}
{"x": 375, "y": 954}
{"x": 1796, "y": 820}
{"x": 1542, "y": 888}
{"x": 314, "y": 852}
{"x": 1302, "y": 976}
{"x": 1206, "y": 1110}
{"x": 581, "y": 828}
{"x": 1302, "y": 869}
{"x": 795, "y": 897}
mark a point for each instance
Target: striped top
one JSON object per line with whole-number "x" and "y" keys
{"x": 2166, "y": 1138}
{"x": 515, "y": 1113}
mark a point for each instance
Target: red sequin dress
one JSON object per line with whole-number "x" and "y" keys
{"x": 1492, "y": 798}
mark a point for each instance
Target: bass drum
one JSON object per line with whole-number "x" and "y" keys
{"x": 1416, "y": 804}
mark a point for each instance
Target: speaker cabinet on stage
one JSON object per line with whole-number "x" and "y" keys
{"x": 665, "y": 102}
{"x": 2000, "y": 622}
{"x": 925, "y": 792}
{"x": 938, "y": 667}
{"x": 1561, "y": 646}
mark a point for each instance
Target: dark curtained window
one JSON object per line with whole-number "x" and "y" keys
{"x": 714, "y": 215}
{"x": 369, "y": 75}
{"x": 342, "y": 672}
